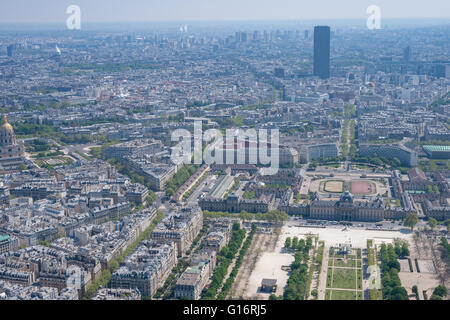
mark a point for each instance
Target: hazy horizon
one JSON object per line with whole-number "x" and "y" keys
{"x": 22, "y": 12}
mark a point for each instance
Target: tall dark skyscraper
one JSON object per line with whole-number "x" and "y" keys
{"x": 10, "y": 50}
{"x": 407, "y": 53}
{"x": 238, "y": 37}
{"x": 322, "y": 51}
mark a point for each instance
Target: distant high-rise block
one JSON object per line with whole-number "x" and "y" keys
{"x": 279, "y": 72}
{"x": 244, "y": 37}
{"x": 322, "y": 51}
{"x": 238, "y": 37}
{"x": 306, "y": 34}
{"x": 10, "y": 50}
{"x": 407, "y": 54}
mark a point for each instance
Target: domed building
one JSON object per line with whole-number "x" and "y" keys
{"x": 11, "y": 151}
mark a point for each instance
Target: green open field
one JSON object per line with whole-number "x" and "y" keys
{"x": 344, "y": 279}
{"x": 349, "y": 263}
{"x": 344, "y": 272}
{"x": 344, "y": 295}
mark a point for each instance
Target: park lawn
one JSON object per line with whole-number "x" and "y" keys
{"x": 344, "y": 278}
{"x": 329, "y": 275}
{"x": 360, "y": 296}
{"x": 359, "y": 275}
{"x": 328, "y": 295}
{"x": 343, "y": 295}
{"x": 350, "y": 263}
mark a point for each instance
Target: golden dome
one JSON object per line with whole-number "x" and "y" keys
{"x": 6, "y": 126}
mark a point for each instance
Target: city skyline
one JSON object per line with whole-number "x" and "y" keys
{"x": 235, "y": 161}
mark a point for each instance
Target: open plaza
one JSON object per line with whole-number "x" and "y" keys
{"x": 343, "y": 273}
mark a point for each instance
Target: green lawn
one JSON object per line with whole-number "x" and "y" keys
{"x": 329, "y": 275}
{"x": 344, "y": 278}
{"x": 349, "y": 263}
{"x": 359, "y": 276}
{"x": 360, "y": 296}
{"x": 343, "y": 295}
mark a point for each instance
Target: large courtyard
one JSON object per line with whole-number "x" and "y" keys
{"x": 358, "y": 185}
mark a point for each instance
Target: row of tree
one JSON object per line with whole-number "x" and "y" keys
{"x": 445, "y": 245}
{"x": 433, "y": 189}
{"x": 439, "y": 293}
{"x": 390, "y": 267}
{"x": 179, "y": 178}
{"x": 224, "y": 259}
{"x": 272, "y": 216}
{"x": 401, "y": 249}
{"x": 229, "y": 283}
{"x": 42, "y": 130}
{"x": 298, "y": 278}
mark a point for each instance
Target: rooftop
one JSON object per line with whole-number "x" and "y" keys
{"x": 434, "y": 148}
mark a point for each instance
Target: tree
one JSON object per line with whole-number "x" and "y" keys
{"x": 398, "y": 248}
{"x": 432, "y": 223}
{"x": 151, "y": 198}
{"x": 308, "y": 197}
{"x": 399, "y": 293}
{"x": 440, "y": 291}
{"x": 415, "y": 290}
{"x": 447, "y": 223}
{"x": 295, "y": 242}
{"x": 287, "y": 243}
{"x": 411, "y": 220}
{"x": 114, "y": 265}
{"x": 396, "y": 162}
{"x": 404, "y": 250}
{"x": 436, "y": 190}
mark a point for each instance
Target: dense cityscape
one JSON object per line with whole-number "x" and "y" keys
{"x": 93, "y": 205}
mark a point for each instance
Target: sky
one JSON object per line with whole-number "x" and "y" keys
{"x": 98, "y": 11}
